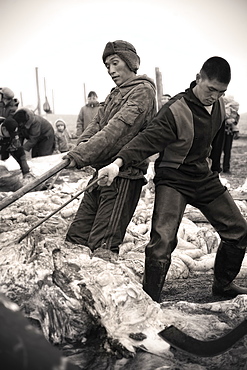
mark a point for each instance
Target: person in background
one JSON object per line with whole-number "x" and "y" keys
{"x": 8, "y": 104}
{"x": 182, "y": 133}
{"x": 36, "y": 133}
{"x": 62, "y": 137}
{"x": 105, "y": 212}
{"x": 231, "y": 130}
{"x": 87, "y": 113}
{"x": 222, "y": 142}
{"x": 165, "y": 98}
{"x": 10, "y": 145}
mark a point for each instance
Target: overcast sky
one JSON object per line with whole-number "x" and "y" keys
{"x": 65, "y": 39}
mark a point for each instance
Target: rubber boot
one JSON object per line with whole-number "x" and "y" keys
{"x": 227, "y": 266}
{"x": 154, "y": 278}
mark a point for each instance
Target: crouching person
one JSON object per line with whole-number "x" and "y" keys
{"x": 105, "y": 212}
{"x": 10, "y": 145}
{"x": 182, "y": 133}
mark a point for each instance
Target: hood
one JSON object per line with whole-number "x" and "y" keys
{"x": 60, "y": 120}
{"x": 136, "y": 81}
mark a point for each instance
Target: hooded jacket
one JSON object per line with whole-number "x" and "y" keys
{"x": 127, "y": 110}
{"x": 62, "y": 139}
{"x": 182, "y": 133}
{"x": 35, "y": 129}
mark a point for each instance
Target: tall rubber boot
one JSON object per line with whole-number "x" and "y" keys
{"x": 154, "y": 277}
{"x": 227, "y": 265}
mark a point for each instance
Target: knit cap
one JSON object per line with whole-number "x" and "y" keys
{"x": 7, "y": 93}
{"x": 125, "y": 51}
{"x": 11, "y": 126}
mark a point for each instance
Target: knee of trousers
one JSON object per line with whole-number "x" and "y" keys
{"x": 160, "y": 250}
{"x": 242, "y": 244}
{"x": 226, "y": 218}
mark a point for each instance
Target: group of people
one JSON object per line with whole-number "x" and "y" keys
{"x": 23, "y": 134}
{"x": 125, "y": 131}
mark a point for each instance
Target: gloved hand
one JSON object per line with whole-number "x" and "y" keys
{"x": 109, "y": 172}
{"x": 72, "y": 162}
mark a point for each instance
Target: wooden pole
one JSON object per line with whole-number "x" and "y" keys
{"x": 38, "y": 95}
{"x": 53, "y": 106}
{"x": 159, "y": 87}
{"x": 85, "y": 95}
{"x": 30, "y": 186}
{"x": 21, "y": 99}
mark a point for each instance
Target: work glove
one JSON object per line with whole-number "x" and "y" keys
{"x": 108, "y": 174}
{"x": 72, "y": 163}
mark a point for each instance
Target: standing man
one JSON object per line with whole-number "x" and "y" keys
{"x": 105, "y": 212}
{"x": 182, "y": 133}
{"x": 87, "y": 113}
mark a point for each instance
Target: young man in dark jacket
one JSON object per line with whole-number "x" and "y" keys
{"x": 36, "y": 133}
{"x": 182, "y": 133}
{"x": 105, "y": 212}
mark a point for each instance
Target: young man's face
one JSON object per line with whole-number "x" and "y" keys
{"x": 118, "y": 69}
{"x": 208, "y": 91}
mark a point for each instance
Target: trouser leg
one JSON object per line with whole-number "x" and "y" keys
{"x": 225, "y": 217}
{"x": 168, "y": 211}
{"x": 227, "y": 152}
{"x": 104, "y": 214}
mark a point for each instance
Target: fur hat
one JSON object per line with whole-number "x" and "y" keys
{"x": 125, "y": 51}
{"x": 11, "y": 126}
{"x": 7, "y": 93}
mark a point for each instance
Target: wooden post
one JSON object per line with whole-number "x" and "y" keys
{"x": 53, "y": 106}
{"x": 85, "y": 96}
{"x": 38, "y": 95}
{"x": 21, "y": 99}
{"x": 159, "y": 87}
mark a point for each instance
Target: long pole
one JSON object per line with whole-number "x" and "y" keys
{"x": 38, "y": 95}
{"x": 159, "y": 86}
{"x": 85, "y": 96}
{"x": 30, "y": 186}
{"x": 53, "y": 106}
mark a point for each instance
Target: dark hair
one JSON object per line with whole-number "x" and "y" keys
{"x": 92, "y": 93}
{"x": 216, "y": 68}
